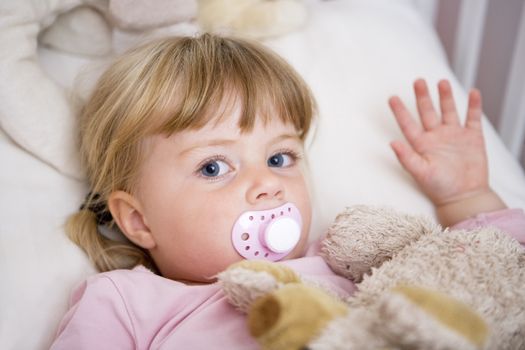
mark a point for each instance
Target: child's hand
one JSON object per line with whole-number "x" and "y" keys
{"x": 447, "y": 160}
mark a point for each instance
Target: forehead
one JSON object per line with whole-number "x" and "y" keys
{"x": 223, "y": 127}
{"x": 227, "y": 126}
{"x": 228, "y": 117}
{"x": 225, "y": 133}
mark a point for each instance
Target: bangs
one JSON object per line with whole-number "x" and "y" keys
{"x": 211, "y": 74}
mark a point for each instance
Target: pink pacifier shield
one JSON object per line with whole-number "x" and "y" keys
{"x": 267, "y": 234}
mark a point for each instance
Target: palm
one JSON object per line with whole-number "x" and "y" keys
{"x": 446, "y": 159}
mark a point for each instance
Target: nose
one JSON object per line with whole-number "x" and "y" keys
{"x": 264, "y": 185}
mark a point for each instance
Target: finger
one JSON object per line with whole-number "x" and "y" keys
{"x": 474, "y": 110}
{"x": 427, "y": 113}
{"x": 410, "y": 129}
{"x": 409, "y": 159}
{"x": 447, "y": 104}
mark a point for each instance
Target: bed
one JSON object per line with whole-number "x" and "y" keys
{"x": 353, "y": 53}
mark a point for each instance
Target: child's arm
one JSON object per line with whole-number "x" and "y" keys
{"x": 448, "y": 160}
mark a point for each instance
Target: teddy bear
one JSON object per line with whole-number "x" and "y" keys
{"x": 259, "y": 19}
{"x": 76, "y": 30}
{"x": 86, "y": 27}
{"x": 418, "y": 287}
{"x": 94, "y": 30}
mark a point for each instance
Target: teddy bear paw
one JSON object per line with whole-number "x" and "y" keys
{"x": 280, "y": 320}
{"x": 416, "y": 318}
{"x": 246, "y": 281}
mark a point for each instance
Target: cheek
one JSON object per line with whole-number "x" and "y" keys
{"x": 189, "y": 216}
{"x": 300, "y": 196}
{"x": 196, "y": 239}
{"x": 204, "y": 218}
{"x": 211, "y": 214}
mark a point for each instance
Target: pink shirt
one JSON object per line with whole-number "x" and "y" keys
{"x": 136, "y": 309}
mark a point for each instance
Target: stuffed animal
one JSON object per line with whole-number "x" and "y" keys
{"x": 258, "y": 19}
{"x": 94, "y": 30}
{"x": 419, "y": 287}
{"x": 85, "y": 27}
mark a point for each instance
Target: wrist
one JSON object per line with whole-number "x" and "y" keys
{"x": 468, "y": 206}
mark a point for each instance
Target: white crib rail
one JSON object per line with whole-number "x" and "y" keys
{"x": 467, "y": 46}
{"x": 512, "y": 123}
{"x": 427, "y": 8}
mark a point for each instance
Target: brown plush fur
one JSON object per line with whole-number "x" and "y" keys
{"x": 484, "y": 268}
{"x": 481, "y": 271}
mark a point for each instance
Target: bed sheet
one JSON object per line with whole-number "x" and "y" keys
{"x": 39, "y": 264}
{"x": 354, "y": 55}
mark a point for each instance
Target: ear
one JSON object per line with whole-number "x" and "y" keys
{"x": 127, "y": 213}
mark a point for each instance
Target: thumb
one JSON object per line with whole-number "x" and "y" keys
{"x": 409, "y": 159}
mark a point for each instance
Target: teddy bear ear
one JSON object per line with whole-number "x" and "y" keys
{"x": 406, "y": 317}
{"x": 419, "y": 318}
{"x": 255, "y": 19}
{"x": 280, "y": 320}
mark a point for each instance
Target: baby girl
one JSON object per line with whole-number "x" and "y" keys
{"x": 194, "y": 152}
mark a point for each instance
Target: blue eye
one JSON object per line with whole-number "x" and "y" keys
{"x": 280, "y": 160}
{"x": 214, "y": 168}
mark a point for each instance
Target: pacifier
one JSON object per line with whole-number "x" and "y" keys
{"x": 267, "y": 234}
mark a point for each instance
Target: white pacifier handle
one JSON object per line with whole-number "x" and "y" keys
{"x": 267, "y": 234}
{"x": 281, "y": 235}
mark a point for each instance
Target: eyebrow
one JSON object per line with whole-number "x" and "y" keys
{"x": 225, "y": 142}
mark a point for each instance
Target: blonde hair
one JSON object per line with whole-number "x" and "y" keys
{"x": 163, "y": 87}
